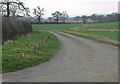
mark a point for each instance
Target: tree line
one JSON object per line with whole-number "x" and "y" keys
{"x": 16, "y": 7}
{"x": 113, "y": 17}
{"x": 63, "y": 16}
{"x": 56, "y": 16}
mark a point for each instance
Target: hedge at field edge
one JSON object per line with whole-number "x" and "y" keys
{"x": 13, "y": 27}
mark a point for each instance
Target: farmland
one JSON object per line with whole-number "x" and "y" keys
{"x": 113, "y": 35}
{"x": 29, "y": 51}
{"x": 54, "y": 26}
{"x": 103, "y": 31}
{"x": 112, "y": 25}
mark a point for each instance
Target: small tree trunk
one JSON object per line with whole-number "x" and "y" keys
{"x": 57, "y": 19}
{"x": 39, "y": 20}
{"x": 64, "y": 21}
{"x": 8, "y": 11}
{"x": 77, "y": 21}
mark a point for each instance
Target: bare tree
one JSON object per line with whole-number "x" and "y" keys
{"x": 77, "y": 18}
{"x": 93, "y": 17}
{"x": 57, "y": 15}
{"x": 38, "y": 12}
{"x": 2, "y": 9}
{"x": 13, "y": 10}
{"x": 84, "y": 19}
{"x": 64, "y": 16}
{"x": 50, "y": 19}
{"x": 27, "y": 12}
{"x": 11, "y": 6}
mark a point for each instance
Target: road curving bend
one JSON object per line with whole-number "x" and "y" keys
{"x": 78, "y": 60}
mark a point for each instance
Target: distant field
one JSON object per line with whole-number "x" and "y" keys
{"x": 28, "y": 51}
{"x": 107, "y": 30}
{"x": 112, "y": 25}
{"x": 54, "y": 26}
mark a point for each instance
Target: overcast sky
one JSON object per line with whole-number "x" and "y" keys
{"x": 75, "y": 7}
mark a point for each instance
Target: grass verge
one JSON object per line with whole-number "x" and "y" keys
{"x": 113, "y": 35}
{"x": 95, "y": 37}
{"x": 28, "y": 51}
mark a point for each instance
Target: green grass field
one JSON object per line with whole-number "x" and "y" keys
{"x": 28, "y": 51}
{"x": 111, "y": 33}
{"x": 101, "y": 38}
{"x": 54, "y": 26}
{"x": 112, "y": 25}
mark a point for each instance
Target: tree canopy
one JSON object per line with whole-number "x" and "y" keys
{"x": 64, "y": 16}
{"x": 77, "y": 18}
{"x": 57, "y": 15}
{"x": 11, "y": 7}
{"x": 38, "y": 12}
